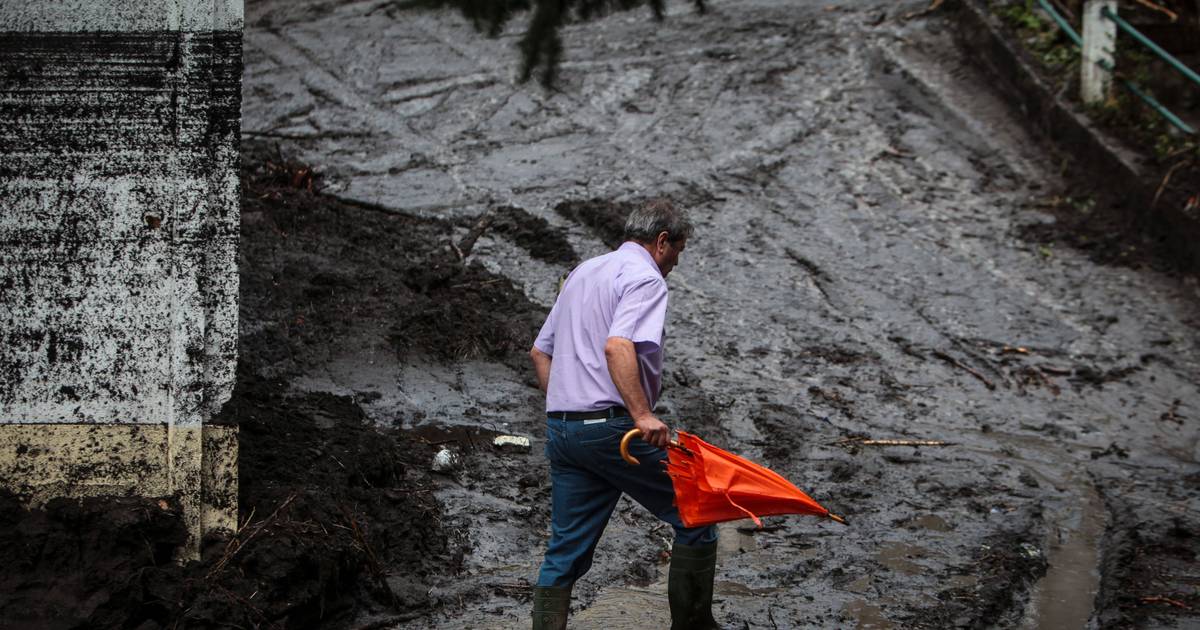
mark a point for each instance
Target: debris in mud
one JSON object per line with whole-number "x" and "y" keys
{"x": 1104, "y": 233}
{"x": 445, "y": 461}
{"x": 1112, "y": 449}
{"x": 1172, "y": 414}
{"x": 512, "y": 443}
{"x": 276, "y": 171}
{"x": 1005, "y": 567}
{"x": 317, "y": 275}
{"x": 851, "y": 443}
{"x": 1088, "y": 375}
{"x": 969, "y": 370}
{"x": 534, "y": 235}
{"x": 605, "y": 218}
{"x": 327, "y": 502}
{"x": 95, "y": 562}
{"x": 1148, "y": 567}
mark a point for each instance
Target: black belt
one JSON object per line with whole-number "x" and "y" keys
{"x": 611, "y": 412}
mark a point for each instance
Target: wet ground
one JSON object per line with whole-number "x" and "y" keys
{"x": 865, "y": 267}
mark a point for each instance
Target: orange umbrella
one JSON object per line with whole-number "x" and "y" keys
{"x": 713, "y": 485}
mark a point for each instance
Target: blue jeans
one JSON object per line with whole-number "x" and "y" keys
{"x": 588, "y": 477}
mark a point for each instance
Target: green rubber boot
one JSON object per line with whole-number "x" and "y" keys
{"x": 690, "y": 587}
{"x": 550, "y": 607}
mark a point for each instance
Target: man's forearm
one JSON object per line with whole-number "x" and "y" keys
{"x": 623, "y": 368}
{"x": 541, "y": 365}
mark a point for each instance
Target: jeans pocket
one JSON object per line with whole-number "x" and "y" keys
{"x": 555, "y": 439}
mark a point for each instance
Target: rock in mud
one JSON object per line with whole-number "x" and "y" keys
{"x": 445, "y": 461}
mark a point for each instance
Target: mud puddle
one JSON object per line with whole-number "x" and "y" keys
{"x": 1066, "y": 596}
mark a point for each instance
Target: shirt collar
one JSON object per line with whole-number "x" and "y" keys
{"x": 633, "y": 246}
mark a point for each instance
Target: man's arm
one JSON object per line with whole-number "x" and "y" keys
{"x": 623, "y": 368}
{"x": 541, "y": 365}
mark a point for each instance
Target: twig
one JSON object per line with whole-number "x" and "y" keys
{"x": 470, "y": 284}
{"x": 235, "y": 545}
{"x": 933, "y": 6}
{"x": 372, "y": 561}
{"x": 1014, "y": 350}
{"x": 1161, "y": 9}
{"x": 1157, "y": 599}
{"x": 1166, "y": 179}
{"x": 1065, "y": 10}
{"x": 956, "y": 363}
{"x": 1054, "y": 389}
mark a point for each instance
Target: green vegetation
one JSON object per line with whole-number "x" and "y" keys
{"x": 1124, "y": 113}
{"x": 1040, "y": 35}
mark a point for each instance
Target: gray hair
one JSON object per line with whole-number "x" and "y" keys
{"x": 655, "y": 217}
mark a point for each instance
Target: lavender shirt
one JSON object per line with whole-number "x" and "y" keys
{"x": 619, "y": 294}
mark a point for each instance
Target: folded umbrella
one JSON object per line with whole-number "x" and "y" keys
{"x": 713, "y": 485}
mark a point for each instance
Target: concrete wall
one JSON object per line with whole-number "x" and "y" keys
{"x": 119, "y": 214}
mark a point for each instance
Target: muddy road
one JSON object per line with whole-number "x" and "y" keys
{"x": 863, "y": 268}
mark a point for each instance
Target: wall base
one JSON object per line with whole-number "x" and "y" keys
{"x": 40, "y": 462}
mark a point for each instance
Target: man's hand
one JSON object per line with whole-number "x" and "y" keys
{"x": 654, "y": 430}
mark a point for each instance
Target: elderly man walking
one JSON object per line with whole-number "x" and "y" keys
{"x": 599, "y": 358}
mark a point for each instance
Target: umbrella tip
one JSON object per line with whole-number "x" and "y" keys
{"x": 836, "y": 518}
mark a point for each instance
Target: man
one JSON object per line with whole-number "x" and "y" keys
{"x": 599, "y": 359}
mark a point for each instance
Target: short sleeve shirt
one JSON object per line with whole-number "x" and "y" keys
{"x": 619, "y": 294}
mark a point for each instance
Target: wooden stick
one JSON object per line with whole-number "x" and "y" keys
{"x": 870, "y": 442}
{"x": 904, "y": 443}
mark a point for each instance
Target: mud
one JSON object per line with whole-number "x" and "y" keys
{"x": 860, "y": 270}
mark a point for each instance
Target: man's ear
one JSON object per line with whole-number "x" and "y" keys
{"x": 660, "y": 242}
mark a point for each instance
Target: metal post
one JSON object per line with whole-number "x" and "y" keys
{"x": 1099, "y": 46}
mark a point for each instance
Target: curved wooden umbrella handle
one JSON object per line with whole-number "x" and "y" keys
{"x": 629, "y": 459}
{"x": 636, "y": 433}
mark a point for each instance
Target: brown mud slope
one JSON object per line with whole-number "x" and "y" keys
{"x": 328, "y": 500}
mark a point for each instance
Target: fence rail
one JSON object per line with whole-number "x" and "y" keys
{"x": 1103, "y": 60}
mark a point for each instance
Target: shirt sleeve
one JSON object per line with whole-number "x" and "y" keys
{"x": 545, "y": 338}
{"x": 641, "y": 313}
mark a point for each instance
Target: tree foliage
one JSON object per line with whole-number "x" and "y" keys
{"x": 541, "y": 46}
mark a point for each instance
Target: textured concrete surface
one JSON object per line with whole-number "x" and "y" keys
{"x": 118, "y": 273}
